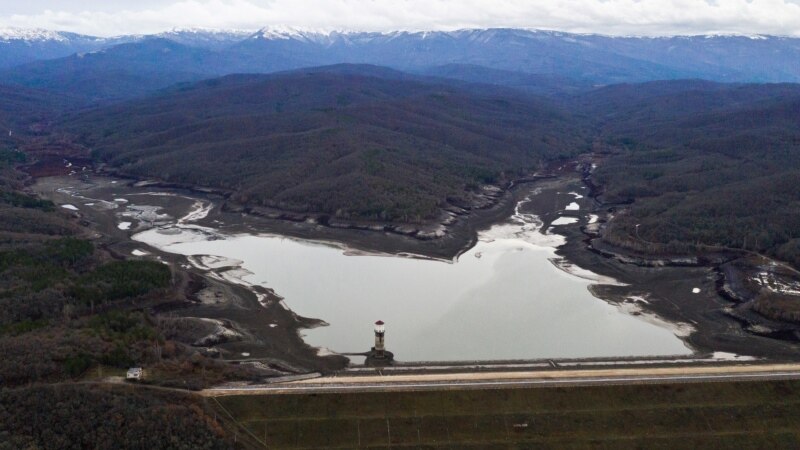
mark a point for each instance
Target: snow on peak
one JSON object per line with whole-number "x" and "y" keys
{"x": 30, "y": 34}
{"x": 300, "y": 34}
{"x": 207, "y": 31}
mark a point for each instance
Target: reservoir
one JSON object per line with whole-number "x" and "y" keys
{"x": 506, "y": 298}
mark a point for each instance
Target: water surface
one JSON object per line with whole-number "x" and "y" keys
{"x": 502, "y": 299}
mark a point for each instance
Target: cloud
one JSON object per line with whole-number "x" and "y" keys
{"x": 626, "y": 17}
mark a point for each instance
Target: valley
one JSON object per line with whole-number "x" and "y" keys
{"x": 271, "y": 321}
{"x": 352, "y": 165}
{"x": 207, "y": 237}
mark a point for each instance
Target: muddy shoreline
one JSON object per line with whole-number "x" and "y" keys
{"x": 681, "y": 291}
{"x": 269, "y": 333}
{"x": 446, "y": 237}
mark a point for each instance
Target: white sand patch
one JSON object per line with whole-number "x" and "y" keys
{"x": 164, "y": 237}
{"x": 696, "y": 291}
{"x": 577, "y": 196}
{"x": 237, "y": 273}
{"x": 221, "y": 329}
{"x": 323, "y": 351}
{"x": 357, "y": 360}
{"x": 106, "y": 204}
{"x": 245, "y": 354}
{"x": 70, "y": 207}
{"x": 725, "y": 356}
{"x": 138, "y": 252}
{"x": 564, "y": 221}
{"x": 213, "y": 262}
{"x": 236, "y": 276}
{"x": 273, "y": 325}
{"x": 145, "y": 213}
{"x": 679, "y": 329}
{"x": 776, "y": 284}
{"x": 199, "y": 211}
{"x": 121, "y": 200}
{"x": 527, "y": 227}
{"x": 638, "y": 299}
{"x": 593, "y": 218}
{"x": 524, "y": 227}
{"x": 124, "y": 225}
{"x": 531, "y": 235}
{"x": 585, "y": 274}
{"x": 573, "y": 207}
{"x": 89, "y": 204}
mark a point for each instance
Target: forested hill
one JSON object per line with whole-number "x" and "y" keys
{"x": 704, "y": 164}
{"x": 124, "y": 71}
{"x": 23, "y": 109}
{"x": 350, "y": 141}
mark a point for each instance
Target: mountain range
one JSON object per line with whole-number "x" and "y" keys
{"x": 399, "y": 126}
{"x": 546, "y": 62}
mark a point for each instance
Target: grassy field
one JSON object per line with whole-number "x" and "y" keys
{"x": 708, "y": 415}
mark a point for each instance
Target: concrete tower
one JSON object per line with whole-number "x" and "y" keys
{"x": 380, "y": 330}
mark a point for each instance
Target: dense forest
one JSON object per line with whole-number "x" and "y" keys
{"x": 349, "y": 141}
{"x": 703, "y": 165}
{"x": 70, "y": 311}
{"x": 85, "y": 416}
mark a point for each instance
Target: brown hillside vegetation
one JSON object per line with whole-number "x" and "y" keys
{"x": 346, "y": 142}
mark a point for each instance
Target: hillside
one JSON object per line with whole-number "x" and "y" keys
{"x": 703, "y": 164}
{"x": 547, "y": 85}
{"x": 349, "y": 141}
{"x": 123, "y": 71}
{"x": 27, "y": 112}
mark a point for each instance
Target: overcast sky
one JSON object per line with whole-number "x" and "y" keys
{"x": 616, "y": 17}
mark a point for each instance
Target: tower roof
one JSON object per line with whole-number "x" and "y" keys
{"x": 380, "y": 322}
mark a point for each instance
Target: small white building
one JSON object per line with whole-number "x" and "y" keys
{"x": 134, "y": 373}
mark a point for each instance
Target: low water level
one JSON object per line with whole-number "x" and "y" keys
{"x": 502, "y": 299}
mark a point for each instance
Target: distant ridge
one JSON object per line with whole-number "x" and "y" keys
{"x": 533, "y": 60}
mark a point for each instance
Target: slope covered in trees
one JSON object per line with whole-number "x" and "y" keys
{"x": 704, "y": 164}
{"x": 67, "y": 307}
{"x": 350, "y": 141}
{"x": 75, "y": 416}
{"x": 123, "y": 71}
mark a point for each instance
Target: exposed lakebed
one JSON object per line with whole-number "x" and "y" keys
{"x": 507, "y": 297}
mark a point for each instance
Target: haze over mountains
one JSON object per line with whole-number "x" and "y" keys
{"x": 566, "y": 62}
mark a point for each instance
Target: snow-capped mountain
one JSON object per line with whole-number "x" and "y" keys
{"x": 31, "y": 35}
{"x": 206, "y": 38}
{"x": 19, "y": 45}
{"x": 603, "y": 59}
{"x": 497, "y": 56}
